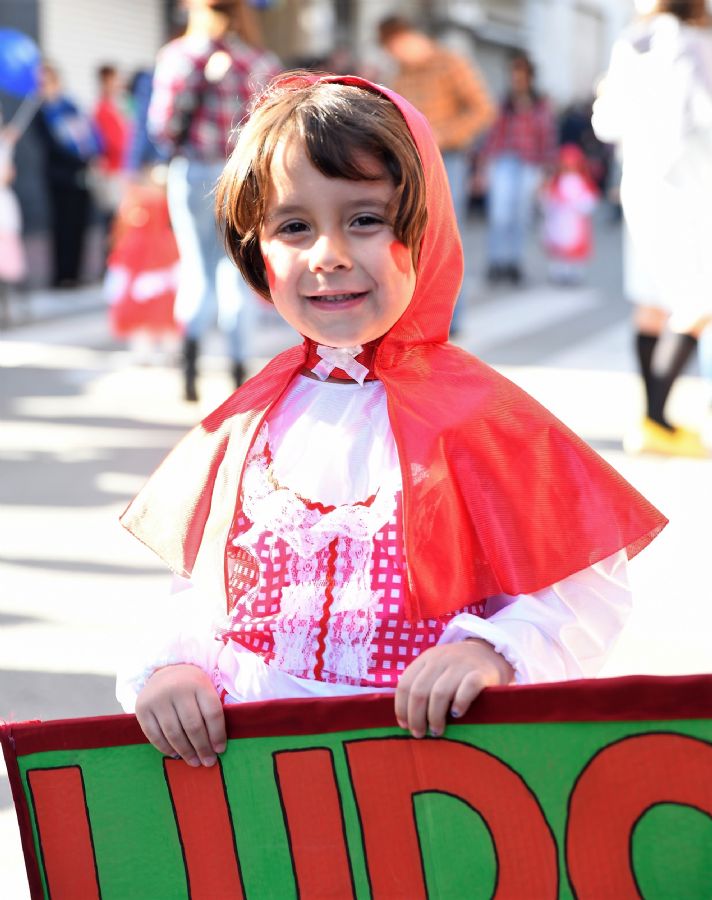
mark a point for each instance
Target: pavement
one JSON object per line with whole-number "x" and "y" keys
{"x": 83, "y": 424}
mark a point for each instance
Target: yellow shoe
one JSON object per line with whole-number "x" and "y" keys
{"x": 651, "y": 437}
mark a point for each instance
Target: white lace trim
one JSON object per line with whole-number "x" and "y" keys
{"x": 281, "y": 511}
{"x": 352, "y": 617}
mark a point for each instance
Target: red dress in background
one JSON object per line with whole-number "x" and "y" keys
{"x": 568, "y": 200}
{"x": 142, "y": 269}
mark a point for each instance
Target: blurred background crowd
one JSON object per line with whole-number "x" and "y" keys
{"x": 98, "y": 60}
{"x": 116, "y": 121}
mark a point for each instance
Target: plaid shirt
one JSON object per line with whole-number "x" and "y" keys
{"x": 201, "y": 92}
{"x": 451, "y": 96}
{"x": 529, "y": 133}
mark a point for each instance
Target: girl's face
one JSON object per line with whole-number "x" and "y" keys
{"x": 335, "y": 269}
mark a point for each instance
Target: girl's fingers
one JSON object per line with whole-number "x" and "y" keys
{"x": 419, "y": 698}
{"x": 214, "y": 718}
{"x": 152, "y": 730}
{"x": 403, "y": 690}
{"x": 192, "y": 724}
{"x": 172, "y": 726}
{"x": 440, "y": 699}
{"x": 468, "y": 690}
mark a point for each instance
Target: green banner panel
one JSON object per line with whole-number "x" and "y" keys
{"x": 592, "y": 789}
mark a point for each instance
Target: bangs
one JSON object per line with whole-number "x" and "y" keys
{"x": 339, "y": 146}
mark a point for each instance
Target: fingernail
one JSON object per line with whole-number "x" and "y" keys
{"x": 175, "y": 756}
{"x": 209, "y": 761}
{"x": 417, "y": 734}
{"x": 220, "y": 748}
{"x": 402, "y": 724}
{"x": 433, "y": 733}
{"x": 455, "y": 714}
{"x": 193, "y": 761}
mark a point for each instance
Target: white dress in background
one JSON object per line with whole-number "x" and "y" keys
{"x": 656, "y": 104}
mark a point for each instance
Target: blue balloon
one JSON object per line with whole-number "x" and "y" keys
{"x": 19, "y": 63}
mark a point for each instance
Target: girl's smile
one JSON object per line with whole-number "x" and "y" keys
{"x": 335, "y": 270}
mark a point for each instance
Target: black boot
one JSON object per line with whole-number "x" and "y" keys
{"x": 238, "y": 373}
{"x": 514, "y": 274}
{"x": 668, "y": 359}
{"x": 190, "y": 369}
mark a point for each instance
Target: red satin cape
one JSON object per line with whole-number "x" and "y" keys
{"x": 499, "y": 496}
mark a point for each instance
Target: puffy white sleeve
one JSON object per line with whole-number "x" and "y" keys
{"x": 562, "y": 632}
{"x": 180, "y": 629}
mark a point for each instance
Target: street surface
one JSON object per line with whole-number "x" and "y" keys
{"x": 82, "y": 426}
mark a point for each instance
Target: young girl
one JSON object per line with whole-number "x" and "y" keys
{"x": 568, "y": 199}
{"x": 377, "y": 510}
{"x": 142, "y": 269}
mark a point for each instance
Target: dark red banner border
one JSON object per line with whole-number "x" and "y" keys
{"x": 628, "y": 699}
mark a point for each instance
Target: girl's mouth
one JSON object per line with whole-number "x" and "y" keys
{"x": 337, "y": 301}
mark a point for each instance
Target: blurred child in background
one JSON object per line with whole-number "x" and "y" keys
{"x": 568, "y": 199}
{"x": 12, "y": 254}
{"x": 142, "y": 272}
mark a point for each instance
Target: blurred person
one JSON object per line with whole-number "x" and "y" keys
{"x": 203, "y": 83}
{"x": 142, "y": 151}
{"x": 453, "y": 97}
{"x": 574, "y": 127}
{"x": 12, "y": 252}
{"x": 70, "y": 144}
{"x": 519, "y": 148}
{"x": 656, "y": 103}
{"x": 568, "y": 199}
{"x": 142, "y": 269}
{"x": 114, "y": 130}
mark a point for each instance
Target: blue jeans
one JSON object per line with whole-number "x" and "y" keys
{"x": 510, "y": 206}
{"x": 210, "y": 288}
{"x": 456, "y": 168}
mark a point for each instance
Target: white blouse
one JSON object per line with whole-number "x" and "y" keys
{"x": 564, "y": 631}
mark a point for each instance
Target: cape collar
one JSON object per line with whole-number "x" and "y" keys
{"x": 341, "y": 364}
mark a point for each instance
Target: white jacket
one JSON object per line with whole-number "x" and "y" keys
{"x": 656, "y": 104}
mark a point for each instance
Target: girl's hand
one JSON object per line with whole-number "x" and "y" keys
{"x": 446, "y": 679}
{"x": 180, "y": 713}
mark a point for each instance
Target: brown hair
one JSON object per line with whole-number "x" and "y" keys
{"x": 685, "y": 10}
{"x": 105, "y": 72}
{"x": 391, "y": 26}
{"x": 340, "y": 126}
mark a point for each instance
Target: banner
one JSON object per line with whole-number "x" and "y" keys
{"x": 590, "y": 789}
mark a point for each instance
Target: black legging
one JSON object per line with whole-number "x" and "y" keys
{"x": 70, "y": 217}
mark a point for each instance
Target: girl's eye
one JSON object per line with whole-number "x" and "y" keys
{"x": 292, "y": 228}
{"x": 367, "y": 219}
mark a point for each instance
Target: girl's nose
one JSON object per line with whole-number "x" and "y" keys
{"x": 329, "y": 252}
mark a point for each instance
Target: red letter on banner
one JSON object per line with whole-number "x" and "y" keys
{"x": 312, "y": 810}
{"x": 205, "y": 829}
{"x": 386, "y": 773}
{"x": 64, "y": 832}
{"x": 614, "y": 790}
